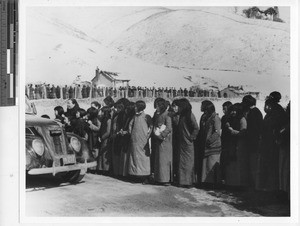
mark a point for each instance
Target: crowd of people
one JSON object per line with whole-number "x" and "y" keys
{"x": 77, "y": 91}
{"x": 240, "y": 150}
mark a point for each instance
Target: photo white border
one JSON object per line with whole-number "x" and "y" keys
{"x": 294, "y": 21}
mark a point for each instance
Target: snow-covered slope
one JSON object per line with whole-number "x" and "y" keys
{"x": 205, "y": 40}
{"x": 211, "y": 46}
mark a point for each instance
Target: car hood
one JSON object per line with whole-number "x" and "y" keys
{"x": 33, "y": 120}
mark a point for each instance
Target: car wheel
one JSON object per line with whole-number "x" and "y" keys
{"x": 73, "y": 177}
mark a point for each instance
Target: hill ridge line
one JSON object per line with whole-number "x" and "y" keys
{"x": 242, "y": 22}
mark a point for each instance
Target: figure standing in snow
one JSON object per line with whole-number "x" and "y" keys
{"x": 140, "y": 128}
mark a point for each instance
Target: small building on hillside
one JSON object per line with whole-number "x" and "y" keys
{"x": 108, "y": 79}
{"x": 236, "y": 91}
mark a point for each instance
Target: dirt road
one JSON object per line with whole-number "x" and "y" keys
{"x": 99, "y": 195}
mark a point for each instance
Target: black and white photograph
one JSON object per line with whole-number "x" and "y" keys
{"x": 166, "y": 111}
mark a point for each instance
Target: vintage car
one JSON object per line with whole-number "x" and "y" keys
{"x": 50, "y": 150}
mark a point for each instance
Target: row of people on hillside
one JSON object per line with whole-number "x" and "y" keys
{"x": 242, "y": 149}
{"x": 47, "y": 91}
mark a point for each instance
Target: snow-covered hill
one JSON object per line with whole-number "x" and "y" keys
{"x": 211, "y": 46}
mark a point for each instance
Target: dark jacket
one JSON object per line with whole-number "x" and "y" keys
{"x": 211, "y": 131}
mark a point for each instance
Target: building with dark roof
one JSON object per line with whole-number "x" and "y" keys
{"x": 108, "y": 79}
{"x": 236, "y": 91}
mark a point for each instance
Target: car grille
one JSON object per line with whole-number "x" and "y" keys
{"x": 57, "y": 143}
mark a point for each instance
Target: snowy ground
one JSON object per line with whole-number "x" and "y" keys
{"x": 102, "y": 196}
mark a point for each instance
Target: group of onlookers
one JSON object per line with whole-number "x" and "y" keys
{"x": 242, "y": 149}
{"x": 47, "y": 91}
{"x": 77, "y": 91}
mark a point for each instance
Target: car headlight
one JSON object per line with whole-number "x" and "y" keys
{"x": 38, "y": 146}
{"x": 75, "y": 144}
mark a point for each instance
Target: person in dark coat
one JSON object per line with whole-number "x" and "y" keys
{"x": 53, "y": 92}
{"x": 153, "y": 139}
{"x": 140, "y": 129}
{"x": 60, "y": 115}
{"x": 173, "y": 113}
{"x": 268, "y": 173}
{"x": 104, "y": 157}
{"x": 72, "y": 108}
{"x": 93, "y": 131}
{"x": 36, "y": 92}
{"x": 48, "y": 91}
{"x": 125, "y": 139}
{"x": 162, "y": 137}
{"x": 284, "y": 156}
{"x": 108, "y": 101}
{"x": 121, "y": 146}
{"x": 97, "y": 106}
{"x": 88, "y": 91}
{"x": 210, "y": 135}
{"x": 80, "y": 125}
{"x": 237, "y": 168}
{"x": 253, "y": 136}
{"x": 225, "y": 139}
{"x": 57, "y": 91}
{"x": 84, "y": 92}
{"x": 117, "y": 125}
{"x": 64, "y": 92}
{"x": 71, "y": 92}
{"x": 187, "y": 133}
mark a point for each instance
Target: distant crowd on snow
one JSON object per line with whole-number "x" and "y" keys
{"x": 47, "y": 91}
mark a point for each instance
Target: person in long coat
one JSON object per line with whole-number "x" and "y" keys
{"x": 237, "y": 171}
{"x": 152, "y": 140}
{"x": 173, "y": 113}
{"x": 140, "y": 129}
{"x": 284, "y": 155}
{"x": 125, "y": 139}
{"x": 225, "y": 140}
{"x": 162, "y": 138}
{"x": 64, "y": 91}
{"x": 117, "y": 124}
{"x": 93, "y": 131}
{"x": 187, "y": 133}
{"x": 57, "y": 92}
{"x": 71, "y": 92}
{"x": 282, "y": 139}
{"x": 104, "y": 157}
{"x": 210, "y": 124}
{"x": 253, "y": 136}
{"x": 268, "y": 173}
